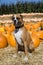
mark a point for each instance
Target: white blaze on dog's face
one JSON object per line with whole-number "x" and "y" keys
{"x": 15, "y": 17}
{"x": 15, "y": 20}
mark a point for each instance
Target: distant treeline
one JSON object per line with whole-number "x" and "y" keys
{"x": 21, "y": 7}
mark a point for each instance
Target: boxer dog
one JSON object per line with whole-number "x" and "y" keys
{"x": 22, "y": 36}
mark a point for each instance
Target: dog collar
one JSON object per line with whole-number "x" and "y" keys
{"x": 19, "y": 26}
{"x": 16, "y": 30}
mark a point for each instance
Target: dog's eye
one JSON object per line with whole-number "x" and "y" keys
{"x": 14, "y": 18}
{"x": 18, "y": 18}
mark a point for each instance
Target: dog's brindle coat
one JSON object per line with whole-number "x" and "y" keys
{"x": 25, "y": 42}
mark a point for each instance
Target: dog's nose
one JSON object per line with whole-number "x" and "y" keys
{"x": 14, "y": 22}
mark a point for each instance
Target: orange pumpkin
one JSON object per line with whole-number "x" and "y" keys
{"x": 27, "y": 26}
{"x": 34, "y": 32}
{"x": 40, "y": 34}
{"x": 3, "y": 41}
{"x": 2, "y": 29}
{"x": 9, "y": 27}
{"x": 37, "y": 25}
{"x": 42, "y": 24}
{"x": 35, "y": 40}
{"x": 11, "y": 39}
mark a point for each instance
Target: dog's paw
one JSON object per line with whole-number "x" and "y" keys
{"x": 19, "y": 52}
{"x": 26, "y": 59}
{"x": 15, "y": 55}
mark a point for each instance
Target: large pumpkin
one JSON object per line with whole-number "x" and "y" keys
{"x": 9, "y": 27}
{"x": 35, "y": 32}
{"x": 29, "y": 26}
{"x": 35, "y": 40}
{"x": 37, "y": 25}
{"x": 2, "y": 29}
{"x": 11, "y": 39}
{"x": 3, "y": 41}
{"x": 42, "y": 25}
{"x": 40, "y": 34}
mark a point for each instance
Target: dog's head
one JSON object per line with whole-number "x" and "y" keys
{"x": 18, "y": 20}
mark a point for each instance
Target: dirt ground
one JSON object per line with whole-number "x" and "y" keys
{"x": 7, "y": 57}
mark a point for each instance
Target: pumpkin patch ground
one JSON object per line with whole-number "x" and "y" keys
{"x": 7, "y": 57}
{"x": 7, "y": 51}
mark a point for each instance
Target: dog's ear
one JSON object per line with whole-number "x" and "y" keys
{"x": 21, "y": 16}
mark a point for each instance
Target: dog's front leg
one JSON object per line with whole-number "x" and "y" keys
{"x": 26, "y": 48}
{"x": 26, "y": 51}
{"x": 16, "y": 51}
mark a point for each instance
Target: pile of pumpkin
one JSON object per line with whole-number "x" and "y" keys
{"x": 7, "y": 37}
{"x": 36, "y": 31}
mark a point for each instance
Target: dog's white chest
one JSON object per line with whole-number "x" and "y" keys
{"x": 18, "y": 36}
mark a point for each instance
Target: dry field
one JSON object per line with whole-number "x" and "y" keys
{"x": 26, "y": 17}
{"x": 7, "y": 55}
